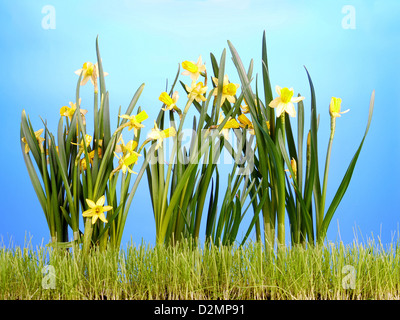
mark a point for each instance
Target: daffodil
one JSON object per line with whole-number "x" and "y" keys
{"x": 196, "y": 91}
{"x": 268, "y": 126}
{"x": 245, "y": 108}
{"x": 228, "y": 90}
{"x": 125, "y": 148}
{"x": 160, "y": 135}
{"x": 90, "y": 71}
{"x": 66, "y": 111}
{"x": 88, "y": 139}
{"x": 135, "y": 121}
{"x": 293, "y": 164}
{"x": 334, "y": 111}
{"x": 244, "y": 121}
{"x": 125, "y": 161}
{"x": 96, "y": 210}
{"x": 38, "y": 138}
{"x": 168, "y": 101}
{"x": 230, "y": 124}
{"x": 193, "y": 69}
{"x": 334, "y": 107}
{"x": 83, "y": 164}
{"x": 284, "y": 103}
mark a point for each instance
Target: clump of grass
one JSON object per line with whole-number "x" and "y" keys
{"x": 187, "y": 271}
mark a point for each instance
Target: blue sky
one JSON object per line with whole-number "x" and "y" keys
{"x": 144, "y": 41}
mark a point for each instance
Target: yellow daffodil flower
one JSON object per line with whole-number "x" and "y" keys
{"x": 88, "y": 139}
{"x": 160, "y": 135}
{"x": 193, "y": 69}
{"x": 230, "y": 124}
{"x": 293, "y": 164}
{"x": 69, "y": 111}
{"x": 244, "y": 121}
{"x": 90, "y": 71}
{"x": 334, "y": 107}
{"x": 135, "y": 121}
{"x": 125, "y": 161}
{"x": 168, "y": 101}
{"x": 97, "y": 210}
{"x": 38, "y": 138}
{"x": 91, "y": 157}
{"x": 245, "y": 108}
{"x": 196, "y": 91}
{"x": 228, "y": 90}
{"x": 125, "y": 148}
{"x": 285, "y": 101}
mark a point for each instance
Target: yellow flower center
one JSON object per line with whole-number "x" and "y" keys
{"x": 88, "y": 68}
{"x": 229, "y": 89}
{"x": 98, "y": 210}
{"x": 190, "y": 66}
{"x": 286, "y": 95}
{"x": 89, "y": 71}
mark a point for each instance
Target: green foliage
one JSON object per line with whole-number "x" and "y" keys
{"x": 63, "y": 180}
{"x": 183, "y": 182}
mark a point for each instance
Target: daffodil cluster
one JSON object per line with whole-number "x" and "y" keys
{"x": 77, "y": 173}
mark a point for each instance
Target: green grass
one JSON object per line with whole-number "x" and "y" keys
{"x": 191, "y": 272}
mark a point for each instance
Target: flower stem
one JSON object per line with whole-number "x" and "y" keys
{"x": 282, "y": 117}
{"x": 327, "y": 161}
{"x": 281, "y": 211}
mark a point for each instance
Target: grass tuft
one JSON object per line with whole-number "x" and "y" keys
{"x": 189, "y": 272}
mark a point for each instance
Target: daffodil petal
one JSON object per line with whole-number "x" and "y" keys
{"x": 87, "y": 213}
{"x": 90, "y": 203}
{"x": 107, "y": 208}
{"x": 244, "y": 120}
{"x": 102, "y": 217}
{"x": 297, "y": 99}
{"x": 290, "y": 109}
{"x": 94, "y": 218}
{"x": 280, "y": 108}
{"x": 100, "y": 202}
{"x": 274, "y": 103}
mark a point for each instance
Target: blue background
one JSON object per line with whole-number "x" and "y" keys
{"x": 144, "y": 41}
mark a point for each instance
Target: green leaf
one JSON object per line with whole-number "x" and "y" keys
{"x": 314, "y": 153}
{"x": 267, "y": 83}
{"x": 106, "y": 122}
{"x": 100, "y": 66}
{"x": 303, "y": 206}
{"x": 34, "y": 178}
